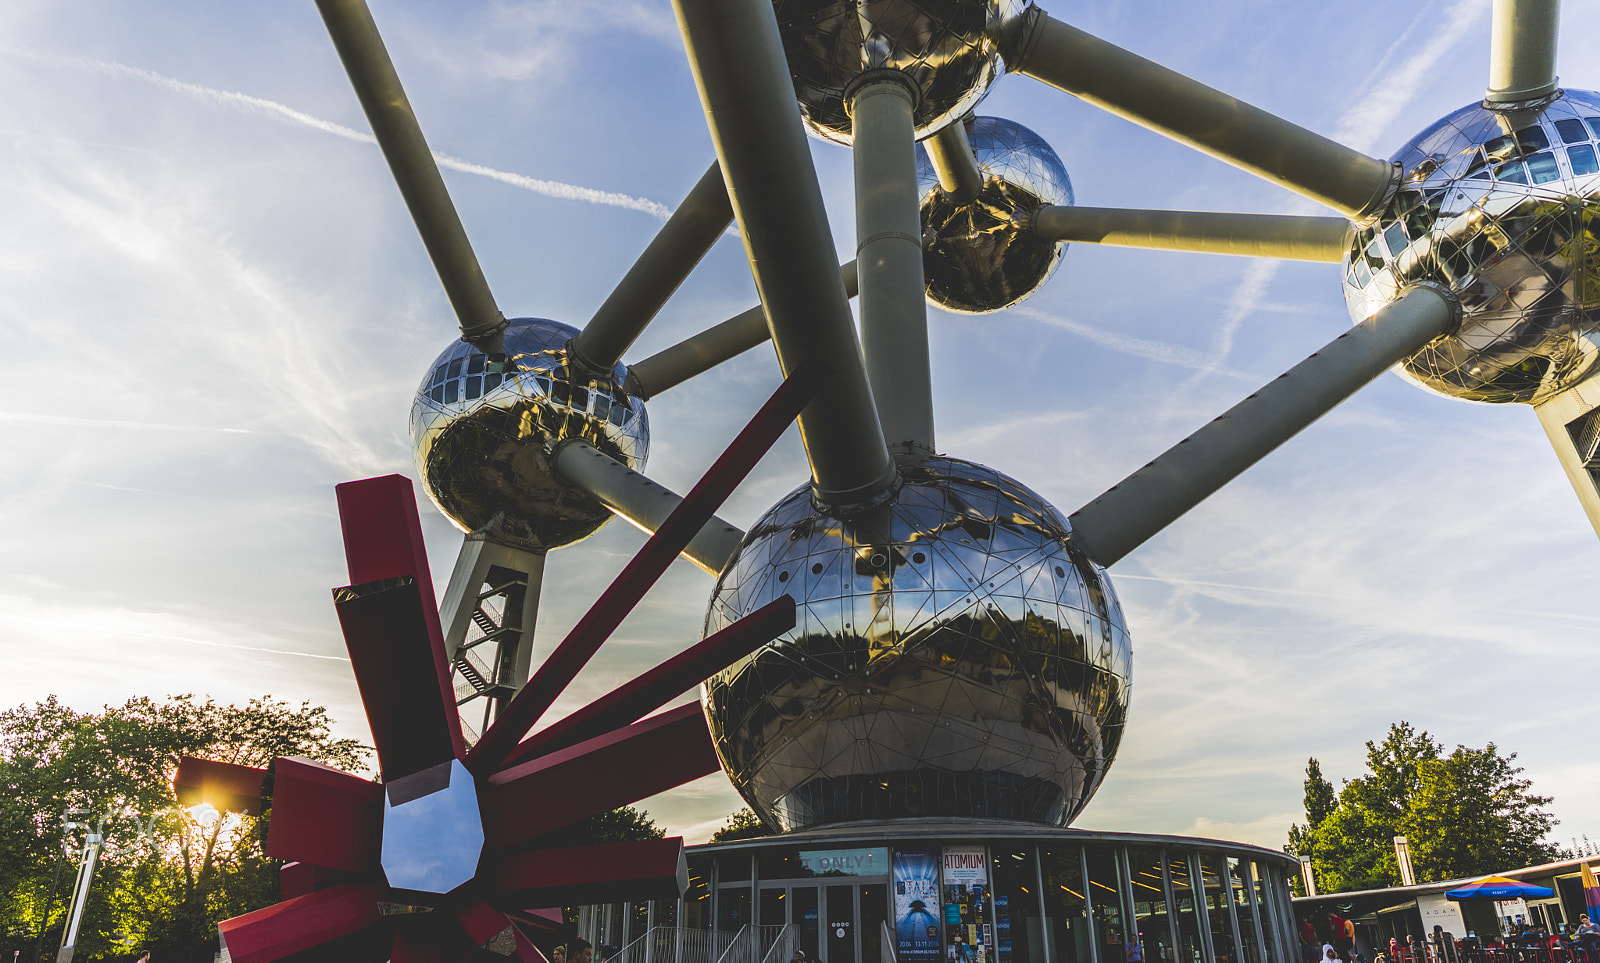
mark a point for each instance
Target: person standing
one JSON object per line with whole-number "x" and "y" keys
{"x": 580, "y": 951}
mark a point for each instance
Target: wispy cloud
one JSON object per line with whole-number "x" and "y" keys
{"x": 1160, "y": 351}
{"x": 233, "y": 100}
{"x": 69, "y": 422}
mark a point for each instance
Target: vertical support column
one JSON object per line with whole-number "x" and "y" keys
{"x": 1202, "y": 910}
{"x": 488, "y": 612}
{"x": 1172, "y": 906}
{"x": 738, "y": 63}
{"x": 1088, "y": 906}
{"x": 894, "y": 314}
{"x": 1571, "y": 420}
{"x": 1522, "y": 50}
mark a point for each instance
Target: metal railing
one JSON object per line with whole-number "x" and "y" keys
{"x": 751, "y": 944}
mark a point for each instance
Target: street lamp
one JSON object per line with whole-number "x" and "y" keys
{"x": 1402, "y": 855}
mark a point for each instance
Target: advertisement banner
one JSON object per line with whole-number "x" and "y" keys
{"x": 1435, "y": 910}
{"x": 968, "y": 906}
{"x": 916, "y": 900}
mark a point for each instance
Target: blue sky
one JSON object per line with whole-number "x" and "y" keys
{"x": 215, "y": 308}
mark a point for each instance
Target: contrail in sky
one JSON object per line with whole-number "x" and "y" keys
{"x": 70, "y": 422}
{"x": 248, "y": 104}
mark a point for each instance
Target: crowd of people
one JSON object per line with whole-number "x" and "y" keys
{"x": 1335, "y": 942}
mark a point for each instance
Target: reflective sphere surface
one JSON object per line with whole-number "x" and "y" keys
{"x": 1503, "y": 208}
{"x": 482, "y": 438}
{"x": 953, "y": 655}
{"x": 983, "y": 258}
{"x": 947, "y": 46}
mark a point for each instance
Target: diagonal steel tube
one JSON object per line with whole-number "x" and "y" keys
{"x": 1252, "y": 235}
{"x": 644, "y": 503}
{"x": 1156, "y": 495}
{"x": 894, "y": 312}
{"x": 377, "y": 86}
{"x": 951, "y": 155}
{"x": 1522, "y": 50}
{"x": 1204, "y": 118}
{"x": 620, "y": 597}
{"x": 696, "y": 355}
{"x": 739, "y": 67}
{"x": 680, "y": 244}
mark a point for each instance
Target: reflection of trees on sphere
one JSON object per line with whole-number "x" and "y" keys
{"x": 983, "y": 256}
{"x": 1503, "y": 208}
{"x": 482, "y": 438}
{"x": 947, "y": 47}
{"x": 953, "y": 655}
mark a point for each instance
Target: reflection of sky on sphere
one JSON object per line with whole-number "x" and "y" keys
{"x": 952, "y": 656}
{"x": 982, "y": 258}
{"x": 481, "y": 438}
{"x": 251, "y": 299}
{"x": 1503, "y": 208}
{"x": 947, "y": 46}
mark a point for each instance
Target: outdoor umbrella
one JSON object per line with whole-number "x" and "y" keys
{"x": 1499, "y": 887}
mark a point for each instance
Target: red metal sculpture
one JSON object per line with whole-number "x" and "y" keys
{"x": 446, "y": 854}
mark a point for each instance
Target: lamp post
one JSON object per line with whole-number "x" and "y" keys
{"x": 92, "y": 844}
{"x": 1402, "y": 855}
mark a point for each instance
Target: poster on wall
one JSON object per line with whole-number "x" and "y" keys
{"x": 916, "y": 900}
{"x": 1438, "y": 911}
{"x": 968, "y": 906}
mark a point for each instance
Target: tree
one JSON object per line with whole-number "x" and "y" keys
{"x": 169, "y": 876}
{"x": 1471, "y": 810}
{"x": 744, "y": 824}
{"x": 1320, "y": 797}
{"x": 1464, "y": 814}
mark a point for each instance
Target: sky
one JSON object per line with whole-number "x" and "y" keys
{"x": 196, "y": 227}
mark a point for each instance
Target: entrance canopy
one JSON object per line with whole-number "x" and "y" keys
{"x": 1499, "y": 887}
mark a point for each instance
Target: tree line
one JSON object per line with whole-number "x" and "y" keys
{"x": 1469, "y": 812}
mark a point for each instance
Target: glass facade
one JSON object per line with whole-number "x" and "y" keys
{"x": 1056, "y": 897}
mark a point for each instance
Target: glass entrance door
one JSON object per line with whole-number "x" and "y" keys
{"x": 841, "y": 936}
{"x": 803, "y": 914}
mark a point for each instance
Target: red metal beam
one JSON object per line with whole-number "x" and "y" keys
{"x": 228, "y": 787}
{"x": 308, "y": 922}
{"x": 429, "y": 938}
{"x": 620, "y": 767}
{"x": 298, "y": 879}
{"x": 642, "y": 571}
{"x": 383, "y": 540}
{"x": 382, "y": 531}
{"x": 660, "y": 685}
{"x": 610, "y": 872}
{"x": 324, "y": 817}
{"x": 392, "y": 654}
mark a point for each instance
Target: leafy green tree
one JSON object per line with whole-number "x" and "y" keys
{"x": 168, "y": 876}
{"x": 1464, "y": 814}
{"x": 744, "y": 824}
{"x": 1472, "y": 810}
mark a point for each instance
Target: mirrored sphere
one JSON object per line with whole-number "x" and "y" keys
{"x": 1503, "y": 208}
{"x": 953, "y": 655}
{"x": 983, "y": 257}
{"x": 949, "y": 47}
{"x": 482, "y": 438}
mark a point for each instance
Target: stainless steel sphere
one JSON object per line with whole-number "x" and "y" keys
{"x": 954, "y": 655}
{"x": 482, "y": 438}
{"x": 983, "y": 257}
{"x": 949, "y": 47}
{"x": 1502, "y": 207}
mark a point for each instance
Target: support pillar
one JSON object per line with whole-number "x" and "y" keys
{"x": 488, "y": 614}
{"x": 894, "y": 313}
